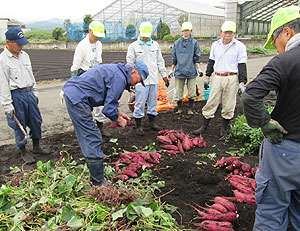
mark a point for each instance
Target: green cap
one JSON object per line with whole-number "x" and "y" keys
{"x": 145, "y": 29}
{"x": 186, "y": 26}
{"x": 228, "y": 26}
{"x": 97, "y": 28}
{"x": 281, "y": 17}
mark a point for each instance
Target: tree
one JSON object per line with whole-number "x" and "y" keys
{"x": 58, "y": 33}
{"x": 183, "y": 18}
{"x": 87, "y": 19}
{"x": 162, "y": 30}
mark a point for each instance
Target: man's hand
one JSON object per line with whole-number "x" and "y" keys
{"x": 61, "y": 96}
{"x": 166, "y": 80}
{"x": 125, "y": 116}
{"x": 37, "y": 100}
{"x": 273, "y": 131}
{"x": 241, "y": 88}
{"x": 122, "y": 122}
{"x": 10, "y": 113}
{"x": 199, "y": 71}
{"x": 206, "y": 82}
{"x": 171, "y": 73}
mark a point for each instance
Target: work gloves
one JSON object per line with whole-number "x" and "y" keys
{"x": 273, "y": 131}
{"x": 171, "y": 73}
{"x": 206, "y": 82}
{"x": 167, "y": 82}
{"x": 199, "y": 71}
{"x": 61, "y": 96}
{"x": 241, "y": 88}
{"x": 10, "y": 113}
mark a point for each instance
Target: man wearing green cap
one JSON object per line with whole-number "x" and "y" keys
{"x": 227, "y": 60}
{"x": 278, "y": 178}
{"x": 88, "y": 54}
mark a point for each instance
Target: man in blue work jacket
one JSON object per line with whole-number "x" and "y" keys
{"x": 103, "y": 85}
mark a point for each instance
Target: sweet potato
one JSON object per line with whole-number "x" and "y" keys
{"x": 218, "y": 207}
{"x": 220, "y": 163}
{"x": 216, "y": 228}
{"x": 209, "y": 210}
{"x": 229, "y": 160}
{"x": 197, "y": 210}
{"x": 245, "y": 167}
{"x": 172, "y": 152}
{"x": 217, "y": 223}
{"x": 226, "y": 203}
{"x": 195, "y": 141}
{"x": 173, "y": 138}
{"x": 164, "y": 139}
{"x": 247, "y": 174}
{"x": 122, "y": 177}
{"x": 124, "y": 156}
{"x": 117, "y": 167}
{"x": 236, "y": 164}
{"x": 180, "y": 148}
{"x": 230, "y": 167}
{"x": 186, "y": 143}
{"x": 203, "y": 144}
{"x": 145, "y": 155}
{"x": 230, "y": 216}
{"x": 170, "y": 147}
{"x": 128, "y": 173}
{"x": 235, "y": 171}
{"x": 161, "y": 132}
{"x": 241, "y": 187}
{"x": 155, "y": 155}
{"x": 244, "y": 198}
{"x": 115, "y": 124}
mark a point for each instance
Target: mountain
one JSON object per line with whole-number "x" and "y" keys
{"x": 47, "y": 25}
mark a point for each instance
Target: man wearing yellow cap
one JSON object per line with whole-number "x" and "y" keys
{"x": 88, "y": 54}
{"x": 147, "y": 51}
{"x": 278, "y": 178}
{"x": 186, "y": 66}
{"x": 227, "y": 60}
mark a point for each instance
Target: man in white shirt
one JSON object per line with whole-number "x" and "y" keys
{"x": 88, "y": 54}
{"x": 18, "y": 93}
{"x": 227, "y": 59}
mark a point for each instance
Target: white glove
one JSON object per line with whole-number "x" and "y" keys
{"x": 241, "y": 88}
{"x": 61, "y": 96}
{"x": 171, "y": 73}
{"x": 200, "y": 73}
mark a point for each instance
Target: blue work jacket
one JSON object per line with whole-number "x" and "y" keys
{"x": 102, "y": 85}
{"x": 185, "y": 53}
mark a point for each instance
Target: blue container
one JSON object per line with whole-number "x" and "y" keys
{"x": 206, "y": 92}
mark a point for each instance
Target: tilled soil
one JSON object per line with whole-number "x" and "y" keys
{"x": 188, "y": 177}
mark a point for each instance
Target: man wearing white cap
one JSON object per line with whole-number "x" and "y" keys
{"x": 185, "y": 67}
{"x": 88, "y": 54}
{"x": 147, "y": 51}
{"x": 227, "y": 60}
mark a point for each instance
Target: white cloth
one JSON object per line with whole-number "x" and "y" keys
{"x": 15, "y": 72}
{"x": 84, "y": 57}
{"x": 151, "y": 56}
{"x": 228, "y": 57}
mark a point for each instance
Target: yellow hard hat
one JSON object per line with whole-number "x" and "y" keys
{"x": 97, "y": 28}
{"x": 228, "y": 26}
{"x": 145, "y": 29}
{"x": 186, "y": 26}
{"x": 281, "y": 17}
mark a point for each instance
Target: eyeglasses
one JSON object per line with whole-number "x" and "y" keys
{"x": 274, "y": 40}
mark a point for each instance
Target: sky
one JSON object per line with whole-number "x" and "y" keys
{"x": 38, "y": 10}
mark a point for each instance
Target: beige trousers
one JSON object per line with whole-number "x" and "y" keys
{"x": 223, "y": 90}
{"x": 191, "y": 87}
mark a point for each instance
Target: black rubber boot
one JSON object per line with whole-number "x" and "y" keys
{"x": 203, "y": 128}
{"x": 152, "y": 123}
{"x": 139, "y": 130}
{"x": 224, "y": 127}
{"x": 26, "y": 157}
{"x": 179, "y": 107}
{"x": 191, "y": 105}
{"x": 103, "y": 131}
{"x": 97, "y": 172}
{"x": 37, "y": 148}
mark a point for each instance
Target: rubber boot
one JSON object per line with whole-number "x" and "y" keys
{"x": 203, "y": 128}
{"x": 152, "y": 123}
{"x": 139, "y": 130}
{"x": 224, "y": 127}
{"x": 37, "y": 148}
{"x": 103, "y": 131}
{"x": 191, "y": 105}
{"x": 179, "y": 107}
{"x": 97, "y": 172}
{"x": 26, "y": 157}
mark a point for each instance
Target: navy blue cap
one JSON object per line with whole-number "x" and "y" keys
{"x": 16, "y": 34}
{"x": 142, "y": 69}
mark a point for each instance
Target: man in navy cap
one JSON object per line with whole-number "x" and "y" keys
{"x": 102, "y": 85}
{"x": 18, "y": 93}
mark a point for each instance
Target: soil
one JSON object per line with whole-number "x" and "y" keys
{"x": 188, "y": 177}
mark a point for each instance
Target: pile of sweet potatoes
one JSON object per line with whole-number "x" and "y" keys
{"x": 237, "y": 167}
{"x": 129, "y": 163}
{"x": 177, "y": 142}
{"x": 217, "y": 216}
